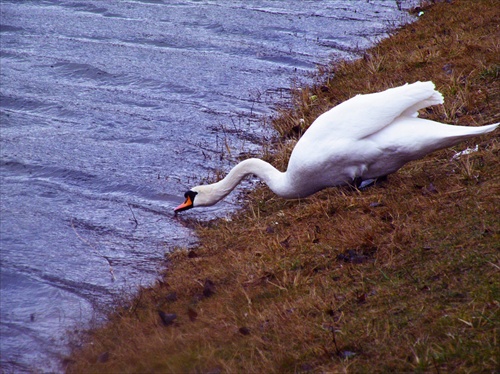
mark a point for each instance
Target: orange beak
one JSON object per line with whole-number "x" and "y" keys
{"x": 185, "y": 205}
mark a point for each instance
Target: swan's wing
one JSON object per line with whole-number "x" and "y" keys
{"x": 364, "y": 115}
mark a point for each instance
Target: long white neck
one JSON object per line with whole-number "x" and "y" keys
{"x": 275, "y": 180}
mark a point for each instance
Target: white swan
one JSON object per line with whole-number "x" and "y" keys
{"x": 366, "y": 137}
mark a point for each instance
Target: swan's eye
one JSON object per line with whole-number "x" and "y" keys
{"x": 190, "y": 194}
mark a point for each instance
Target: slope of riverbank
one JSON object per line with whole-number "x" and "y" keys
{"x": 400, "y": 277}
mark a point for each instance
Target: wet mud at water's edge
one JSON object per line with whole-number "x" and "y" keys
{"x": 109, "y": 112}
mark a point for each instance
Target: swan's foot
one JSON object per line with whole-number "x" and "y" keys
{"x": 367, "y": 183}
{"x": 356, "y": 182}
{"x": 361, "y": 184}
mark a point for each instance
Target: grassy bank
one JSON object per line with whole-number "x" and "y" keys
{"x": 401, "y": 277}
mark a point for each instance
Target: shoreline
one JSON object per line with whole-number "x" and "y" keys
{"x": 399, "y": 277}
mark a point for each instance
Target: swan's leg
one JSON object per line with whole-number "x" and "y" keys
{"x": 356, "y": 183}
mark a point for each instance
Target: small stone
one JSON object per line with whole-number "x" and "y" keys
{"x": 244, "y": 331}
{"x": 167, "y": 318}
{"x": 208, "y": 288}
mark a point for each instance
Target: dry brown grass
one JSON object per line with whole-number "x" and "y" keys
{"x": 402, "y": 277}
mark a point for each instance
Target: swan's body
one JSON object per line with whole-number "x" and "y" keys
{"x": 366, "y": 137}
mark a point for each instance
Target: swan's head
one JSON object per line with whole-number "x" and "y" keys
{"x": 198, "y": 196}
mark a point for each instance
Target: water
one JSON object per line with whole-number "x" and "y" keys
{"x": 109, "y": 112}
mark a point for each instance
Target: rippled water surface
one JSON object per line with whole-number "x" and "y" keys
{"x": 109, "y": 111}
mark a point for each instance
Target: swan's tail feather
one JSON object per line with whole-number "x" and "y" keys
{"x": 479, "y": 130}
{"x": 457, "y": 134}
{"x": 490, "y": 128}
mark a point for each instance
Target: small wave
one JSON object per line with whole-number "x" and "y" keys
{"x": 41, "y": 171}
{"x": 9, "y": 28}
